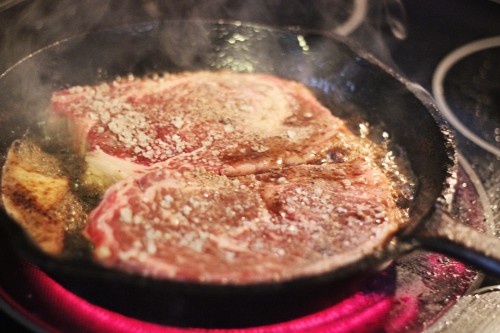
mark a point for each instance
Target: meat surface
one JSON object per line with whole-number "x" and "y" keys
{"x": 225, "y": 177}
{"x": 223, "y": 122}
{"x": 206, "y": 227}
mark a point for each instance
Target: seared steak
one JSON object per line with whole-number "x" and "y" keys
{"x": 38, "y": 195}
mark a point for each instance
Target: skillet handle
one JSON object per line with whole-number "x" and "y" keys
{"x": 444, "y": 235}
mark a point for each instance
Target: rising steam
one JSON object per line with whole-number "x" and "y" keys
{"x": 31, "y": 25}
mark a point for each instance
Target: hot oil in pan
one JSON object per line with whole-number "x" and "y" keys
{"x": 390, "y": 158}
{"x": 76, "y": 245}
{"x": 43, "y": 142}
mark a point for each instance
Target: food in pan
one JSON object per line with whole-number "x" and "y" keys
{"x": 277, "y": 224}
{"x": 216, "y": 177}
{"x": 222, "y": 122}
{"x": 37, "y": 193}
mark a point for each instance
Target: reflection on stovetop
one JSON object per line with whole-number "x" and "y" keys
{"x": 466, "y": 85}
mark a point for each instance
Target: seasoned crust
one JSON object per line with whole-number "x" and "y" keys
{"x": 37, "y": 194}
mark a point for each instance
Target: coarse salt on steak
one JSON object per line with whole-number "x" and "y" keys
{"x": 205, "y": 227}
{"x": 229, "y": 123}
{"x": 225, "y": 177}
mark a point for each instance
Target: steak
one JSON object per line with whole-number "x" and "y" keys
{"x": 226, "y": 178}
{"x": 222, "y": 122}
{"x": 206, "y": 227}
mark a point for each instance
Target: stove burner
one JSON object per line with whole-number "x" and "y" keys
{"x": 466, "y": 85}
{"x": 357, "y": 16}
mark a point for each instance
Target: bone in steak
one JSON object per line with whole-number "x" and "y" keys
{"x": 224, "y": 122}
{"x": 275, "y": 225}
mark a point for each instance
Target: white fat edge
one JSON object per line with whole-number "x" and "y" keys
{"x": 76, "y": 128}
{"x": 104, "y": 170}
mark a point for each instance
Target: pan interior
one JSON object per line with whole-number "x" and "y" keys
{"x": 345, "y": 80}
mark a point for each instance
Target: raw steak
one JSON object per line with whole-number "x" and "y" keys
{"x": 225, "y": 177}
{"x": 205, "y": 227}
{"x": 223, "y": 122}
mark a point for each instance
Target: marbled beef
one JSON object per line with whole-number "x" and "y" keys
{"x": 224, "y": 122}
{"x": 225, "y": 177}
{"x": 275, "y": 225}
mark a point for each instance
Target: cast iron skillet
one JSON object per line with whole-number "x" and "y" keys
{"x": 344, "y": 77}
